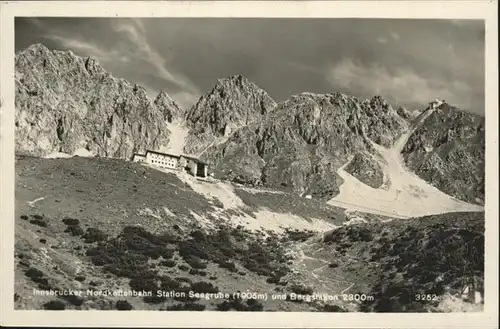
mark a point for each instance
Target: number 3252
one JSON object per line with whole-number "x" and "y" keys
{"x": 426, "y": 297}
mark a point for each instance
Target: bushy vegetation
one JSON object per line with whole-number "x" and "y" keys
{"x": 94, "y": 235}
{"x": 419, "y": 256}
{"x": 297, "y": 235}
{"x": 39, "y": 222}
{"x": 123, "y": 305}
{"x": 332, "y": 308}
{"x": 68, "y": 221}
{"x": 189, "y": 306}
{"x": 239, "y": 305}
{"x": 54, "y": 305}
{"x": 168, "y": 263}
{"x": 75, "y": 230}
{"x": 204, "y": 287}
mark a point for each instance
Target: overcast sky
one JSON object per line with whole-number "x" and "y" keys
{"x": 408, "y": 62}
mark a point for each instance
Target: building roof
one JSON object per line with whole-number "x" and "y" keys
{"x": 194, "y": 159}
{"x": 160, "y": 153}
{"x": 176, "y": 156}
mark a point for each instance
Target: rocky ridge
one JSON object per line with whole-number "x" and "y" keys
{"x": 171, "y": 109}
{"x": 300, "y": 145}
{"x": 65, "y": 102}
{"x": 233, "y": 103}
{"x": 448, "y": 151}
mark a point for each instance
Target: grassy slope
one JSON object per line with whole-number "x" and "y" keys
{"x": 105, "y": 196}
{"x": 102, "y": 247}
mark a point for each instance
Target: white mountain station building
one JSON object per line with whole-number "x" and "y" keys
{"x": 193, "y": 165}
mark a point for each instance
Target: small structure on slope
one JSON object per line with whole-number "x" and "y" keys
{"x": 193, "y": 165}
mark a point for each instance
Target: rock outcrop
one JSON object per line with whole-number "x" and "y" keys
{"x": 448, "y": 151}
{"x": 65, "y": 103}
{"x": 233, "y": 103}
{"x": 366, "y": 169}
{"x": 300, "y": 145}
{"x": 170, "y": 109}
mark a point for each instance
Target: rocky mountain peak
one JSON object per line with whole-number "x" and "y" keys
{"x": 92, "y": 66}
{"x": 65, "y": 103}
{"x": 448, "y": 151}
{"x": 233, "y": 103}
{"x": 37, "y": 48}
{"x": 168, "y": 106}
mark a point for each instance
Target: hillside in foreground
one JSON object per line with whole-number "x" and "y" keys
{"x": 95, "y": 223}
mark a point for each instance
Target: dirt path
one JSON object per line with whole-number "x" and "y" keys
{"x": 322, "y": 282}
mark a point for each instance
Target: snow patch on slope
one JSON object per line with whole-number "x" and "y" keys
{"x": 179, "y": 133}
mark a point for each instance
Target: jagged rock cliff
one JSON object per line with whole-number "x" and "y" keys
{"x": 448, "y": 151}
{"x": 65, "y": 103}
{"x": 301, "y": 144}
{"x": 168, "y": 106}
{"x": 366, "y": 169}
{"x": 233, "y": 103}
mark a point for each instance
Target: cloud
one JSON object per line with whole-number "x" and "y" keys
{"x": 139, "y": 48}
{"x": 382, "y": 40}
{"x": 402, "y": 85}
{"x": 90, "y": 49}
{"x": 394, "y": 36}
{"x": 125, "y": 51}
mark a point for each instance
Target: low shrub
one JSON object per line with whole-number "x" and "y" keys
{"x": 39, "y": 222}
{"x": 301, "y": 289}
{"x": 74, "y": 300}
{"x": 189, "y": 249}
{"x": 168, "y": 283}
{"x": 332, "y": 308}
{"x": 54, "y": 305}
{"x": 254, "y": 305}
{"x": 204, "y": 287}
{"x": 184, "y": 279}
{"x": 33, "y": 272}
{"x": 123, "y": 305}
{"x": 74, "y": 230}
{"x": 168, "y": 263}
{"x": 195, "y": 263}
{"x": 189, "y": 306}
{"x": 80, "y": 278}
{"x": 94, "y": 235}
{"x": 71, "y": 221}
{"x": 238, "y": 305}
{"x": 183, "y": 267}
{"x": 229, "y": 266}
